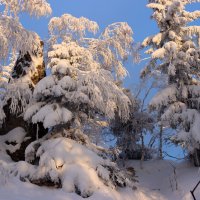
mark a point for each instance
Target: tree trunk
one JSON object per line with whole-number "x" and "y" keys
{"x": 161, "y": 142}
{"x": 196, "y": 157}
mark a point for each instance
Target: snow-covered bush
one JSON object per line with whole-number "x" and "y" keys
{"x": 129, "y": 133}
{"x": 74, "y": 167}
{"x": 11, "y": 143}
{"x": 65, "y": 160}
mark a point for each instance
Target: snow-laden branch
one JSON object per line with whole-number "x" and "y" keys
{"x": 33, "y": 7}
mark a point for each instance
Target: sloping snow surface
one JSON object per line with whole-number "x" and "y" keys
{"x": 158, "y": 180}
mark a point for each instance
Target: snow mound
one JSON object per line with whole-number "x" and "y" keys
{"x": 11, "y": 142}
{"x": 66, "y": 164}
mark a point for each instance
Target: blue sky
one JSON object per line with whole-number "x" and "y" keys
{"x": 104, "y": 12}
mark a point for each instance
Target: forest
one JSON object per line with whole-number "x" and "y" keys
{"x": 71, "y": 128}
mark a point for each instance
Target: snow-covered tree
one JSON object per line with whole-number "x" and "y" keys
{"x": 16, "y": 90}
{"x": 80, "y": 89}
{"x": 25, "y": 65}
{"x": 175, "y": 54}
{"x": 33, "y": 7}
{"x": 110, "y": 49}
{"x": 19, "y": 42}
{"x": 82, "y": 86}
{"x": 14, "y": 37}
{"x": 79, "y": 84}
{"x": 129, "y": 134}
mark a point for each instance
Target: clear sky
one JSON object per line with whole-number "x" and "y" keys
{"x": 104, "y": 12}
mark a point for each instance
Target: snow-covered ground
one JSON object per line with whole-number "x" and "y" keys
{"x": 13, "y": 189}
{"x": 158, "y": 180}
{"x": 166, "y": 180}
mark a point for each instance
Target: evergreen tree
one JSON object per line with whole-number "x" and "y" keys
{"x": 79, "y": 82}
{"x": 129, "y": 134}
{"x": 80, "y": 89}
{"x": 175, "y": 55}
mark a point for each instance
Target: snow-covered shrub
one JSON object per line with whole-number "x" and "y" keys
{"x": 11, "y": 142}
{"x": 129, "y": 133}
{"x": 74, "y": 167}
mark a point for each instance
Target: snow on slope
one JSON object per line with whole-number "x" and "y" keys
{"x": 13, "y": 189}
{"x": 156, "y": 182}
{"x": 64, "y": 160}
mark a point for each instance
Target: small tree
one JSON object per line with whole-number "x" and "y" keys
{"x": 130, "y": 133}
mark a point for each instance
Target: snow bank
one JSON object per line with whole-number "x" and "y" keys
{"x": 66, "y": 164}
{"x": 156, "y": 182}
{"x": 12, "y": 141}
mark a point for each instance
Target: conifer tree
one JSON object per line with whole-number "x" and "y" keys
{"x": 80, "y": 82}
{"x": 175, "y": 55}
{"x": 80, "y": 89}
